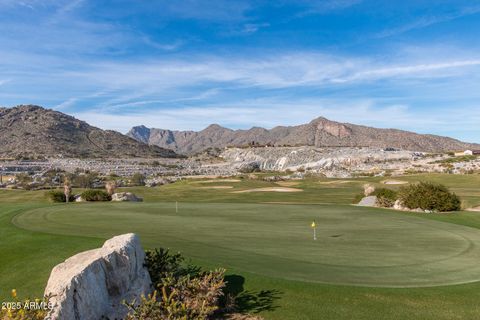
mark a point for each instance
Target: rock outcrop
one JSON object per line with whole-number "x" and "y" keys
{"x": 93, "y": 284}
{"x": 125, "y": 196}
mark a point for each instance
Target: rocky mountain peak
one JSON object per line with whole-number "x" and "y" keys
{"x": 333, "y": 128}
{"x": 320, "y": 132}
{"x": 214, "y": 127}
{"x": 32, "y": 131}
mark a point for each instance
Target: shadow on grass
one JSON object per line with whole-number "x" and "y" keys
{"x": 250, "y": 301}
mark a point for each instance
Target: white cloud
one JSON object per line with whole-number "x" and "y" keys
{"x": 274, "y": 72}
{"x": 409, "y": 70}
{"x": 65, "y": 104}
{"x": 272, "y": 112}
{"x": 426, "y": 21}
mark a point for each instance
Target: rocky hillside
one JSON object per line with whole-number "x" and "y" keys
{"x": 320, "y": 132}
{"x": 32, "y": 131}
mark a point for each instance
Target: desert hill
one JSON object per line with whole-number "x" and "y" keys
{"x": 31, "y": 131}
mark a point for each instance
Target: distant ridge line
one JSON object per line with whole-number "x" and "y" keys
{"x": 320, "y": 132}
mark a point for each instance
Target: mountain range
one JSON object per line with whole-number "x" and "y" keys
{"x": 29, "y": 131}
{"x": 320, "y": 132}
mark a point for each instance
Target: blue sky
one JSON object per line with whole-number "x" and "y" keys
{"x": 411, "y": 65}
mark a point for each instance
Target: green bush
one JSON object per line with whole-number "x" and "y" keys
{"x": 84, "y": 180}
{"x": 429, "y": 196}
{"x": 385, "y": 197}
{"x": 466, "y": 158}
{"x": 138, "y": 179}
{"x": 58, "y": 196}
{"x": 161, "y": 262}
{"x": 95, "y": 195}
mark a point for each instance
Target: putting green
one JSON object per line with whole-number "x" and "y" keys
{"x": 355, "y": 246}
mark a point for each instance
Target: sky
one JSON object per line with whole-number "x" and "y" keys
{"x": 182, "y": 65}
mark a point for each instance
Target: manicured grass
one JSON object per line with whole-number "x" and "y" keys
{"x": 26, "y": 257}
{"x": 355, "y": 246}
{"x": 267, "y": 247}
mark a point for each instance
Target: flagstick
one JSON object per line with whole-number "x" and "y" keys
{"x": 315, "y": 233}
{"x": 176, "y": 206}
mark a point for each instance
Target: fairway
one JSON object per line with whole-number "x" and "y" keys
{"x": 355, "y": 246}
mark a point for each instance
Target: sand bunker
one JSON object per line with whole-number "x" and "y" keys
{"x": 288, "y": 183}
{"x": 216, "y": 187}
{"x": 394, "y": 182}
{"x": 276, "y": 189}
{"x": 474, "y": 209}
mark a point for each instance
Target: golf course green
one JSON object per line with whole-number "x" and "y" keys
{"x": 354, "y": 246}
{"x": 366, "y": 263}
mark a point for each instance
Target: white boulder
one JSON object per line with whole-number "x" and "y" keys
{"x": 93, "y": 284}
{"x": 370, "y": 201}
{"x": 398, "y": 205}
{"x": 125, "y": 196}
{"x": 78, "y": 198}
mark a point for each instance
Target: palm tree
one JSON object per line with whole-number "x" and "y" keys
{"x": 110, "y": 186}
{"x": 67, "y": 189}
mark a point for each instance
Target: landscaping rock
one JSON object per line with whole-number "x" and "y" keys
{"x": 368, "y": 189}
{"x": 398, "y": 205}
{"x": 370, "y": 201}
{"x": 93, "y": 284}
{"x": 125, "y": 196}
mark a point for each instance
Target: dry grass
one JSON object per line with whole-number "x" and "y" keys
{"x": 288, "y": 183}
{"x": 216, "y": 187}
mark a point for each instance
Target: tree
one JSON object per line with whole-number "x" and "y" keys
{"x": 138, "y": 179}
{"x": 67, "y": 190}
{"x": 368, "y": 189}
{"x": 85, "y": 180}
{"x": 110, "y": 186}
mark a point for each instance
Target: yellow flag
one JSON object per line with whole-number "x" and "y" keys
{"x": 313, "y": 224}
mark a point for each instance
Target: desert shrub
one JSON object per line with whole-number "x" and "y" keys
{"x": 429, "y": 196}
{"x": 138, "y": 179}
{"x": 23, "y": 178}
{"x": 31, "y": 309}
{"x": 161, "y": 262}
{"x": 181, "y": 290}
{"x": 250, "y": 167}
{"x": 466, "y": 158}
{"x": 182, "y": 298}
{"x": 95, "y": 195}
{"x": 58, "y": 196}
{"x": 386, "y": 197}
{"x": 84, "y": 180}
